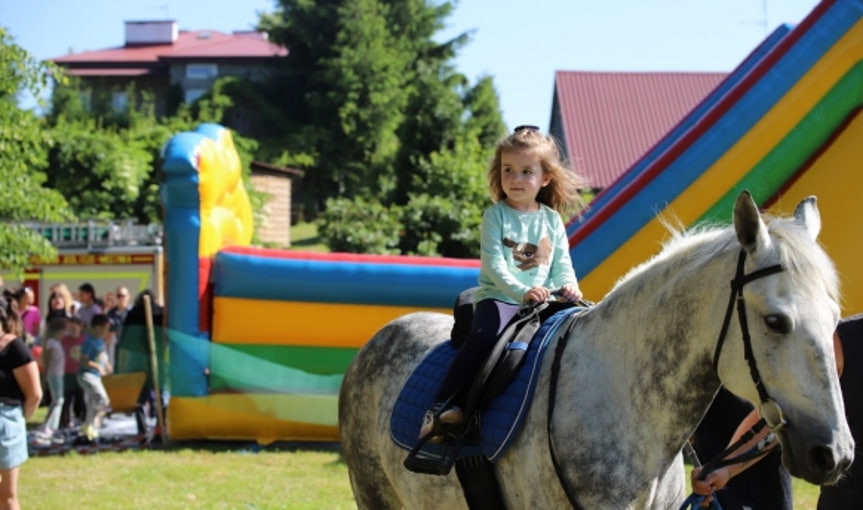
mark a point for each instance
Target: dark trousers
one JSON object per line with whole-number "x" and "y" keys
{"x": 73, "y": 401}
{"x": 489, "y": 318}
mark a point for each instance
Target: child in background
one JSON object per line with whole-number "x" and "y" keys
{"x": 54, "y": 363}
{"x": 73, "y": 396}
{"x": 93, "y": 365}
{"x": 524, "y": 253}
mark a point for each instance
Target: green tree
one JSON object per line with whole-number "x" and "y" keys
{"x": 24, "y": 143}
{"x": 375, "y": 108}
{"x": 108, "y": 163}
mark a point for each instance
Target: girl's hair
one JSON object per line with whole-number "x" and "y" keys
{"x": 10, "y": 319}
{"x": 561, "y": 194}
{"x": 62, "y": 290}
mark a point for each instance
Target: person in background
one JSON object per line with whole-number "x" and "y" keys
{"x": 93, "y": 365}
{"x": 30, "y": 316}
{"x": 89, "y": 307}
{"x": 109, "y": 300}
{"x": 59, "y": 307}
{"x": 20, "y": 394}
{"x": 73, "y": 396}
{"x": 54, "y": 364}
{"x": 133, "y": 355}
{"x": 117, "y": 315}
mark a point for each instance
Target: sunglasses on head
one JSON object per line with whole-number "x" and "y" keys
{"x": 529, "y": 127}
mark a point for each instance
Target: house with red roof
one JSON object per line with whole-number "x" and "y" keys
{"x": 606, "y": 121}
{"x": 175, "y": 65}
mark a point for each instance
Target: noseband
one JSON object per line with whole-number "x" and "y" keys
{"x": 769, "y": 410}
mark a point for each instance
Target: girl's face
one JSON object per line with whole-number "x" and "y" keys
{"x": 522, "y": 178}
{"x": 57, "y": 302}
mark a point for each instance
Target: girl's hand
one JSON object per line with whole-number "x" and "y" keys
{"x": 536, "y": 295}
{"x": 570, "y": 293}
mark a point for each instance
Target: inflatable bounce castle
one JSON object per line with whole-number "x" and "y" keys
{"x": 260, "y": 338}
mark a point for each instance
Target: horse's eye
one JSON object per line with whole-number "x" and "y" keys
{"x": 778, "y": 323}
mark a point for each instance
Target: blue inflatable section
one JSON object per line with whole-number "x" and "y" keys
{"x": 188, "y": 346}
{"x": 285, "y": 279}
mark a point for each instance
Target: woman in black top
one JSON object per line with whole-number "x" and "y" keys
{"x": 847, "y": 494}
{"x": 20, "y": 394}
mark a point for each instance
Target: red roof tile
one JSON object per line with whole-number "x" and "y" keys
{"x": 195, "y": 44}
{"x": 610, "y": 119}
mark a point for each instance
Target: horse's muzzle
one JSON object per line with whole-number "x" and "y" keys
{"x": 822, "y": 464}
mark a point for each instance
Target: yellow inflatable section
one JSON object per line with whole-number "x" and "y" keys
{"x": 226, "y": 212}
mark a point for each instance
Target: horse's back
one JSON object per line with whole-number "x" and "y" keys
{"x": 369, "y": 390}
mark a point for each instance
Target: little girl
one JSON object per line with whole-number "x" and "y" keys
{"x": 54, "y": 361}
{"x": 524, "y": 253}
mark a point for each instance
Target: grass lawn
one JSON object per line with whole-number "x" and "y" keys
{"x": 304, "y": 236}
{"x": 207, "y": 474}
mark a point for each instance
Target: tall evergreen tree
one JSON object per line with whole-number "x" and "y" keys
{"x": 369, "y": 93}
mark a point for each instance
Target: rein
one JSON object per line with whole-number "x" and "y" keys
{"x": 769, "y": 410}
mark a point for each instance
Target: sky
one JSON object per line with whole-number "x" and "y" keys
{"x": 521, "y": 44}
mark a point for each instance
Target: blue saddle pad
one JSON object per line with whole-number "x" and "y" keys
{"x": 505, "y": 413}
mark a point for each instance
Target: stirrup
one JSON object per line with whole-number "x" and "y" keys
{"x": 428, "y": 466}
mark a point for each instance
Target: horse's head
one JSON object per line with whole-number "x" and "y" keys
{"x": 791, "y": 312}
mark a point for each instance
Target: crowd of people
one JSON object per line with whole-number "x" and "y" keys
{"x": 74, "y": 342}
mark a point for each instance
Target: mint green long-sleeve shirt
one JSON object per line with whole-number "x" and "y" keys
{"x": 520, "y": 250}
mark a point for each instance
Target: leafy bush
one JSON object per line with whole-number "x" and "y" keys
{"x": 360, "y": 226}
{"x": 435, "y": 225}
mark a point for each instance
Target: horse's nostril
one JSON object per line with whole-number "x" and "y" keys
{"x": 821, "y": 459}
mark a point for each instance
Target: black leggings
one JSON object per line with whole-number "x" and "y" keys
{"x": 489, "y": 318}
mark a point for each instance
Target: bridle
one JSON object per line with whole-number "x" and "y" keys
{"x": 771, "y": 413}
{"x": 769, "y": 410}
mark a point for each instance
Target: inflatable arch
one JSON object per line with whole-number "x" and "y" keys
{"x": 259, "y": 339}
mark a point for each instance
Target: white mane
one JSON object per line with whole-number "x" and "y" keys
{"x": 692, "y": 248}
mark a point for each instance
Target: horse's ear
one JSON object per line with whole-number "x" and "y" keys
{"x": 807, "y": 214}
{"x": 750, "y": 228}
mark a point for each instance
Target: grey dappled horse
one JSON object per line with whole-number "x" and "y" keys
{"x": 636, "y": 376}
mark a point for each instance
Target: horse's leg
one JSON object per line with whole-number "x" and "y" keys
{"x": 358, "y": 429}
{"x": 369, "y": 389}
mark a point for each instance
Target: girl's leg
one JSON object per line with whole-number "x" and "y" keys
{"x": 55, "y": 386}
{"x": 9, "y": 489}
{"x": 89, "y": 400}
{"x": 489, "y": 318}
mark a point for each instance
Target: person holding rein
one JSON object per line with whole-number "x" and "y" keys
{"x": 524, "y": 252}
{"x": 848, "y": 492}
{"x": 20, "y": 394}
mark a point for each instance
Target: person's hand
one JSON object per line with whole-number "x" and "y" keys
{"x": 570, "y": 293}
{"x": 714, "y": 481}
{"x": 536, "y": 295}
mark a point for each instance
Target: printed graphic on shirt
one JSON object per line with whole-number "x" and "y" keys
{"x": 529, "y": 256}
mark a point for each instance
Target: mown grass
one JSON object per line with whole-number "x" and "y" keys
{"x": 207, "y": 476}
{"x": 304, "y": 236}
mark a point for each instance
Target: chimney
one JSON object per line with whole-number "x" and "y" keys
{"x": 140, "y": 33}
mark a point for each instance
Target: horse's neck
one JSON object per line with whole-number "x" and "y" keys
{"x": 649, "y": 346}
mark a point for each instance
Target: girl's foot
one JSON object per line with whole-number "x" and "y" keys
{"x": 436, "y": 417}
